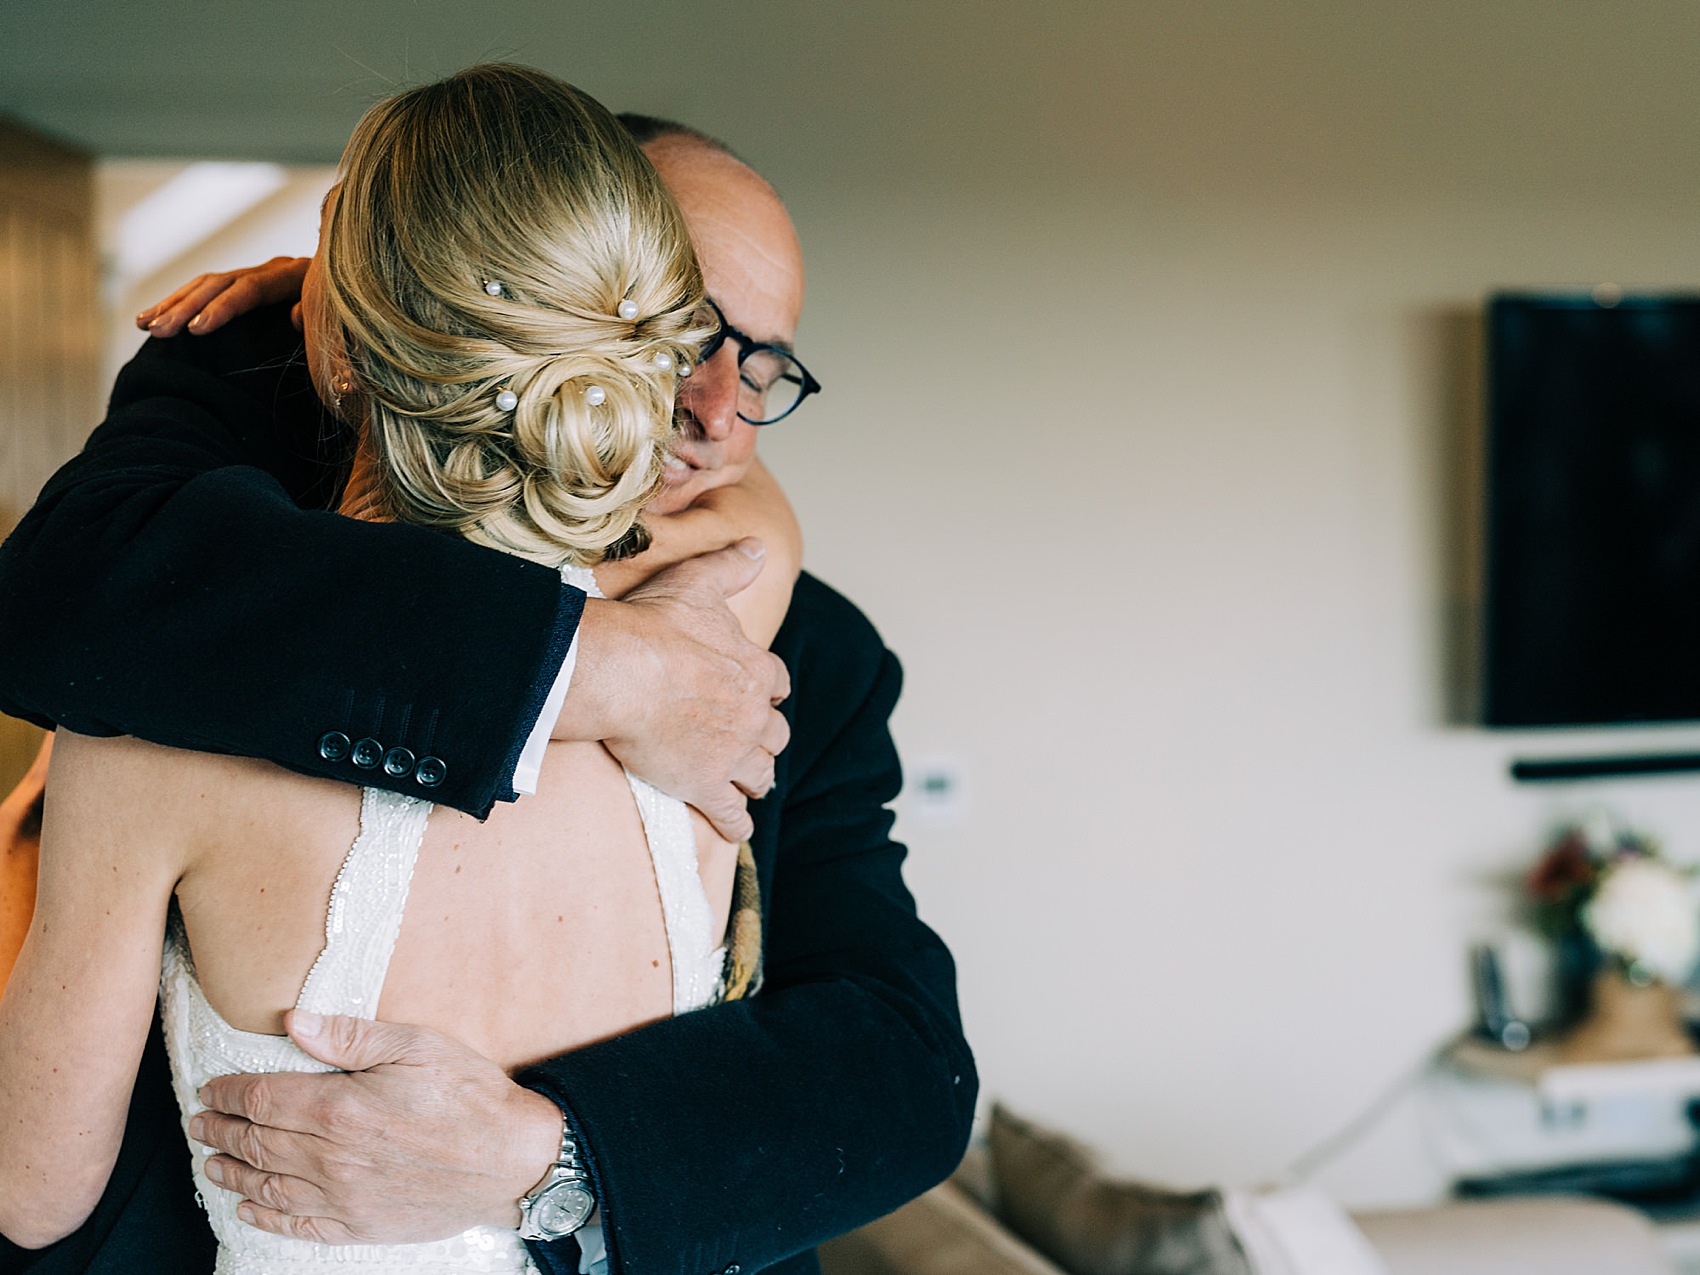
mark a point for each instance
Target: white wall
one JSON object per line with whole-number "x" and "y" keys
{"x": 1150, "y": 457}
{"x": 1147, "y": 338}
{"x": 159, "y": 228}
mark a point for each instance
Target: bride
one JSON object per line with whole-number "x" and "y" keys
{"x": 502, "y": 305}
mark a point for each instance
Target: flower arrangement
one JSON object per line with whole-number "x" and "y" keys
{"x": 1614, "y": 887}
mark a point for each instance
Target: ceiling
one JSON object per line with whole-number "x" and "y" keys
{"x": 889, "y": 94}
{"x": 245, "y": 79}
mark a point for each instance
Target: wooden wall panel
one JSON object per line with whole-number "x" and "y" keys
{"x": 49, "y": 338}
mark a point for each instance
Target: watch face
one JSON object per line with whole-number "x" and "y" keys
{"x": 563, "y": 1208}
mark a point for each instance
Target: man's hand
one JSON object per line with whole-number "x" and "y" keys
{"x": 667, "y": 679}
{"x": 419, "y": 1140}
{"x": 209, "y": 301}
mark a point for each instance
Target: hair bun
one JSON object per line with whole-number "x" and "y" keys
{"x": 484, "y": 235}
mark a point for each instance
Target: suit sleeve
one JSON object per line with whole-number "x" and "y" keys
{"x": 751, "y": 1131}
{"x": 179, "y": 581}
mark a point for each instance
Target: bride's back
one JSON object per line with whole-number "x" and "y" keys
{"x": 525, "y": 935}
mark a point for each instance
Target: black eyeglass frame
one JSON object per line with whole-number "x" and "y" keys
{"x": 747, "y": 346}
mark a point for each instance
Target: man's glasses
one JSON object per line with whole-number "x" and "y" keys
{"x": 771, "y": 382}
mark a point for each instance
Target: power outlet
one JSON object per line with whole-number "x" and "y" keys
{"x": 936, "y": 790}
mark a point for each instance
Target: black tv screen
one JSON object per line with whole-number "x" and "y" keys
{"x": 1592, "y": 603}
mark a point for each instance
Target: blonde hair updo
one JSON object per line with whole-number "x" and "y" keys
{"x": 484, "y": 235}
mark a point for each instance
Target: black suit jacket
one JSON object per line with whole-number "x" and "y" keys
{"x": 739, "y": 1135}
{"x": 182, "y": 580}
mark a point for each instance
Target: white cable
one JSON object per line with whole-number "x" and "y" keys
{"x": 1349, "y": 1134}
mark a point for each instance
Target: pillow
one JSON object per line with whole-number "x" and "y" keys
{"x": 942, "y": 1233}
{"x": 1051, "y": 1194}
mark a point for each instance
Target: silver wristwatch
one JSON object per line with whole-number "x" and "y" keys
{"x": 563, "y": 1201}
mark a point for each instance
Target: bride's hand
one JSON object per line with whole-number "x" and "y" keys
{"x": 417, "y": 1138}
{"x": 209, "y": 301}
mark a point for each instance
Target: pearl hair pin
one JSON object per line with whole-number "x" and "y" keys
{"x": 595, "y": 395}
{"x": 663, "y": 360}
{"x": 684, "y": 369}
{"x": 628, "y": 309}
{"x": 507, "y": 400}
{"x": 493, "y": 288}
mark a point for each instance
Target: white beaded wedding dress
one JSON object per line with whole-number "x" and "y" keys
{"x": 365, "y": 914}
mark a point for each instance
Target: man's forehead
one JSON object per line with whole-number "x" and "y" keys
{"x": 744, "y": 238}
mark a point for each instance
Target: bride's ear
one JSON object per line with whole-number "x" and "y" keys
{"x": 333, "y": 375}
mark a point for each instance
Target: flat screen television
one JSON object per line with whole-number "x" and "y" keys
{"x": 1592, "y": 586}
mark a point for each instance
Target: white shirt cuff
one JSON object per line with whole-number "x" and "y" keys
{"x": 531, "y": 756}
{"x": 592, "y": 1247}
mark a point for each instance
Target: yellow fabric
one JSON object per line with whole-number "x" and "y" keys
{"x": 743, "y": 930}
{"x": 20, "y": 849}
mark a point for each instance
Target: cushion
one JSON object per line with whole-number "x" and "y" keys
{"x": 943, "y": 1233}
{"x": 1051, "y": 1193}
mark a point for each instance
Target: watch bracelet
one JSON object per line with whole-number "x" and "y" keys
{"x": 568, "y": 1167}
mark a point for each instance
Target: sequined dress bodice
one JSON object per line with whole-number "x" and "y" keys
{"x": 367, "y": 903}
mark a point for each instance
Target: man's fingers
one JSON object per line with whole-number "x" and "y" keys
{"x": 776, "y": 734}
{"x": 357, "y": 1044}
{"x": 731, "y": 819}
{"x": 779, "y": 682}
{"x": 267, "y": 1149}
{"x": 278, "y": 1191}
{"x": 730, "y": 570}
{"x": 754, "y": 775}
{"x": 319, "y": 1230}
{"x": 287, "y": 1101}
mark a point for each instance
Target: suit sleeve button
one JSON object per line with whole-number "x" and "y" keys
{"x": 367, "y": 753}
{"x": 333, "y": 745}
{"x": 398, "y": 762}
{"x": 430, "y": 771}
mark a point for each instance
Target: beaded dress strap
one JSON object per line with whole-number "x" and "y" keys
{"x": 368, "y": 899}
{"x": 698, "y": 965}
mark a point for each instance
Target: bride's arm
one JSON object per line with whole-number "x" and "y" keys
{"x": 753, "y": 506}
{"x": 76, "y": 1010}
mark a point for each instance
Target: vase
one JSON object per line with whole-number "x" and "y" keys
{"x": 1627, "y": 1020}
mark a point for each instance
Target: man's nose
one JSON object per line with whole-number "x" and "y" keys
{"x": 711, "y": 395}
